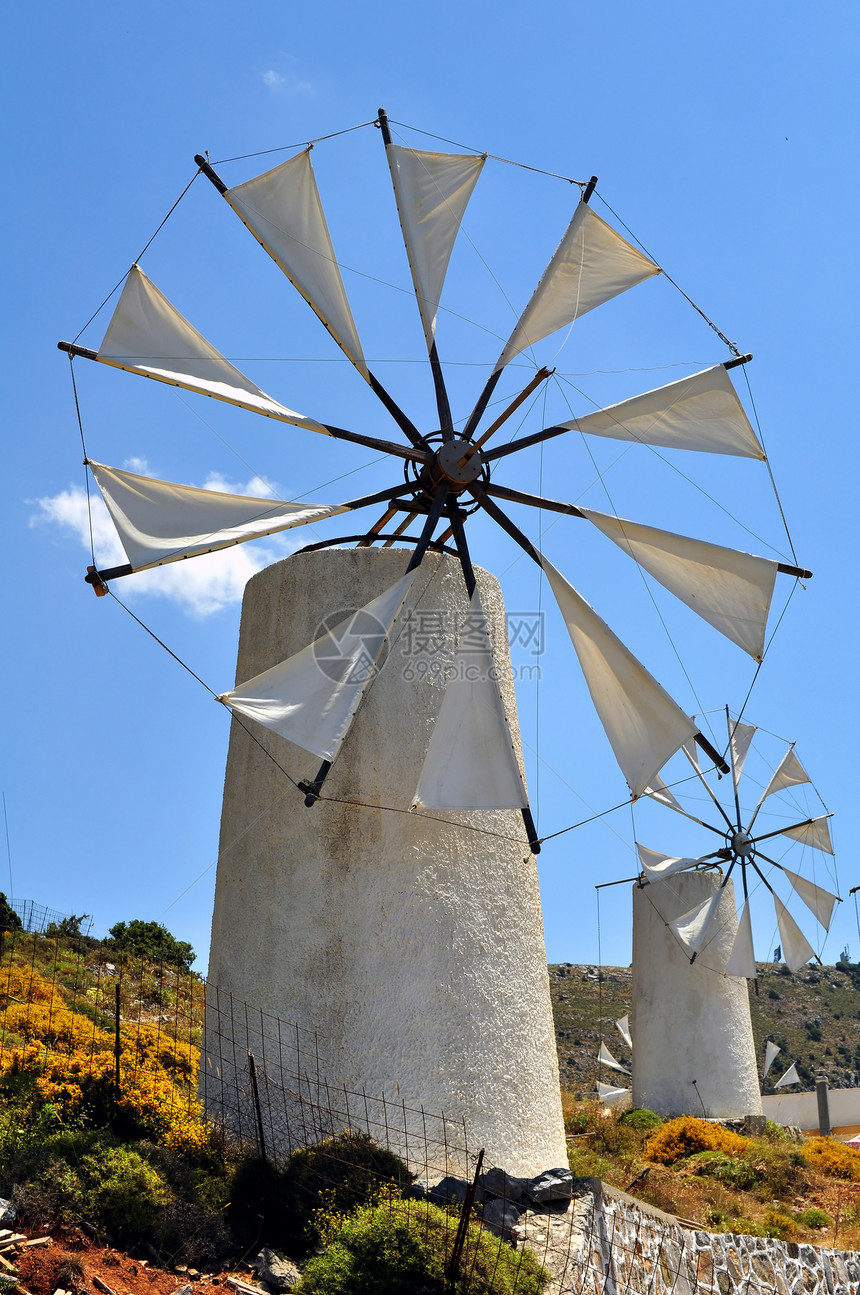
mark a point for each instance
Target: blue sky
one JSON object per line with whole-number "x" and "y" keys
{"x": 723, "y": 139}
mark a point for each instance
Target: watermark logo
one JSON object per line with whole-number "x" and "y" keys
{"x": 350, "y": 646}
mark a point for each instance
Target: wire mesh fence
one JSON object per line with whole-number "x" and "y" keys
{"x": 38, "y": 918}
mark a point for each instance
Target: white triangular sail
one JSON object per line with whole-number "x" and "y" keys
{"x": 789, "y": 773}
{"x": 815, "y": 833}
{"x": 656, "y": 866}
{"x": 796, "y": 949}
{"x": 692, "y": 927}
{"x": 742, "y": 957}
{"x": 432, "y": 192}
{"x": 701, "y": 412}
{"x": 283, "y": 211}
{"x": 820, "y": 902}
{"x": 591, "y": 264}
{"x": 311, "y": 698}
{"x": 771, "y": 1052}
{"x": 657, "y": 790}
{"x": 645, "y": 727}
{"x": 606, "y": 1058}
{"x": 790, "y": 1077}
{"x": 624, "y": 1030}
{"x": 471, "y": 763}
{"x": 611, "y": 1095}
{"x": 162, "y": 521}
{"x": 740, "y": 738}
{"x": 729, "y": 589}
{"x": 147, "y": 335}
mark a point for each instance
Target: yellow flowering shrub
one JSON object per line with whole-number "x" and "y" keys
{"x": 833, "y": 1158}
{"x": 72, "y": 1062}
{"x": 686, "y": 1135}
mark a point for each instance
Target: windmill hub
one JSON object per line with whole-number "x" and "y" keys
{"x": 453, "y": 465}
{"x": 742, "y": 844}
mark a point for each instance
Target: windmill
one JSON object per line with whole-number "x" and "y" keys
{"x": 751, "y": 828}
{"x": 449, "y": 470}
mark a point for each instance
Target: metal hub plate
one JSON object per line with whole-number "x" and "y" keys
{"x": 449, "y": 461}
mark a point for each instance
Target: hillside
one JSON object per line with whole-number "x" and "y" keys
{"x": 813, "y": 1015}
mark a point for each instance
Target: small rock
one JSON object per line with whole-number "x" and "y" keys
{"x": 448, "y": 1189}
{"x": 181, "y": 1268}
{"x": 280, "y": 1274}
{"x": 193, "y": 1274}
{"x": 551, "y": 1185}
{"x": 7, "y": 1212}
{"x": 500, "y": 1217}
{"x": 187, "y": 1289}
{"x": 497, "y": 1183}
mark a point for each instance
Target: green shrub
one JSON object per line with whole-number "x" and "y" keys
{"x": 780, "y": 1170}
{"x": 124, "y": 1192}
{"x": 641, "y": 1118}
{"x": 401, "y": 1247}
{"x": 728, "y": 1170}
{"x": 586, "y": 1163}
{"x": 278, "y": 1206}
{"x": 815, "y": 1218}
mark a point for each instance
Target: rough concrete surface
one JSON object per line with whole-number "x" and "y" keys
{"x": 690, "y": 1022}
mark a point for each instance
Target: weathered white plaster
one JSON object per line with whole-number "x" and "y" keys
{"x": 690, "y": 1022}
{"x": 412, "y": 945}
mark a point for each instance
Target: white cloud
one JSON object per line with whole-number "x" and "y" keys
{"x": 287, "y": 83}
{"x": 200, "y": 587}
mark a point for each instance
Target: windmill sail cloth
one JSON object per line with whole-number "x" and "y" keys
{"x": 657, "y": 866}
{"x": 692, "y": 927}
{"x": 606, "y": 1058}
{"x": 771, "y": 1052}
{"x": 796, "y": 949}
{"x": 815, "y": 833}
{"x": 740, "y": 738}
{"x": 642, "y": 722}
{"x": 624, "y": 1030}
{"x": 471, "y": 763}
{"x": 161, "y": 521}
{"x": 729, "y": 589}
{"x": 610, "y": 1095}
{"x": 432, "y": 192}
{"x": 820, "y": 902}
{"x": 790, "y": 1077}
{"x": 147, "y": 335}
{"x": 312, "y": 697}
{"x": 660, "y": 792}
{"x": 789, "y": 773}
{"x": 283, "y": 211}
{"x": 591, "y": 264}
{"x": 701, "y": 412}
{"x": 742, "y": 957}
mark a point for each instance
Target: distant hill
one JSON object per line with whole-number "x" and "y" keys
{"x": 813, "y": 1015}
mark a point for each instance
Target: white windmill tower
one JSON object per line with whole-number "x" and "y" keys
{"x": 692, "y": 955}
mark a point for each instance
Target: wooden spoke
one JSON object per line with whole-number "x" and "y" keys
{"x": 512, "y": 446}
{"x": 534, "y": 501}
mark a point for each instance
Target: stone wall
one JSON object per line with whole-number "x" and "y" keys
{"x": 607, "y": 1243}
